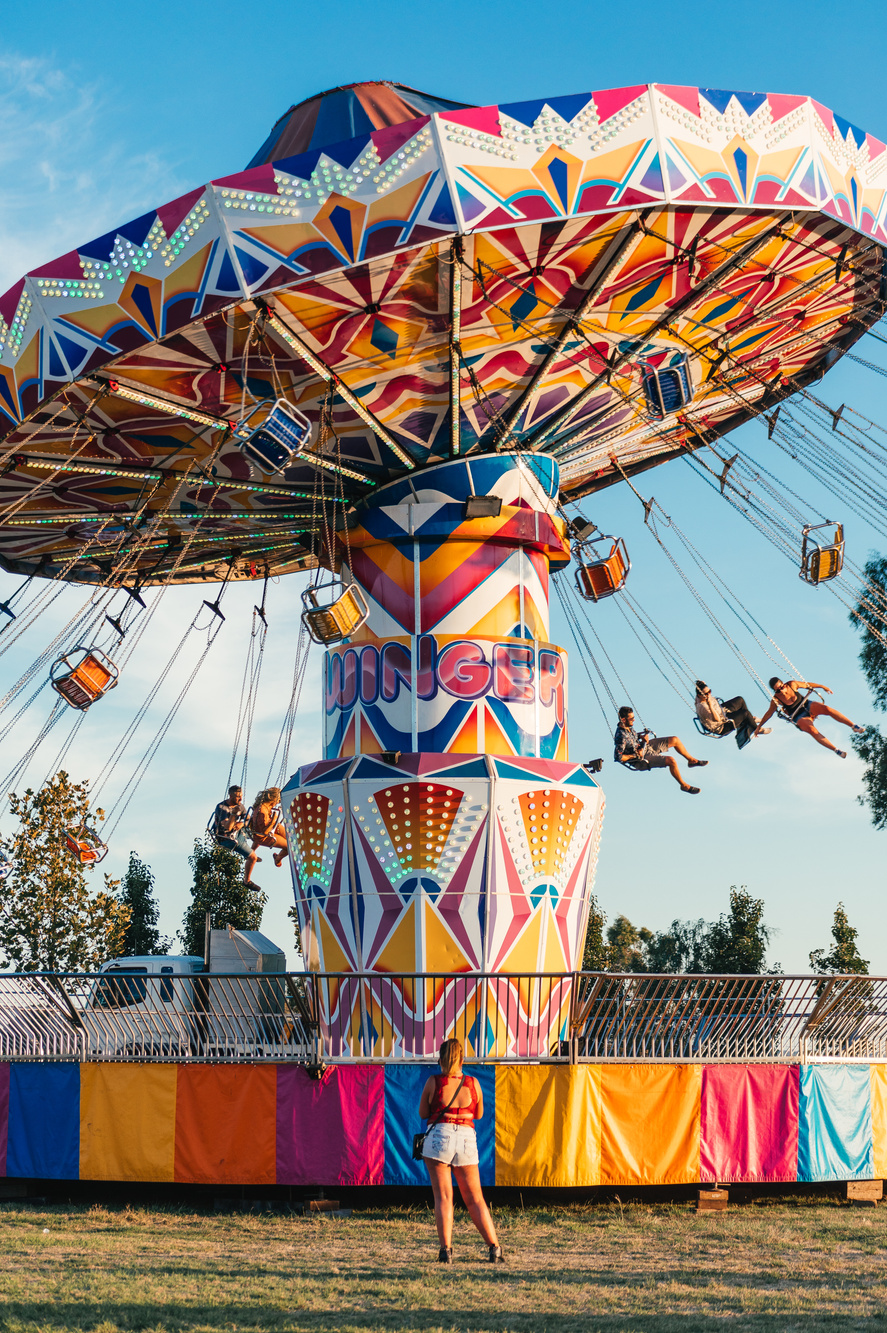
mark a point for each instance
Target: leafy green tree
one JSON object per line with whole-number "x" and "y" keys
{"x": 294, "y": 917}
{"x": 872, "y": 750}
{"x": 627, "y": 946}
{"x": 50, "y": 918}
{"x": 681, "y": 948}
{"x": 872, "y": 746}
{"x": 218, "y": 888}
{"x": 136, "y": 891}
{"x": 595, "y": 953}
{"x": 872, "y": 654}
{"x": 843, "y": 956}
{"x": 737, "y": 941}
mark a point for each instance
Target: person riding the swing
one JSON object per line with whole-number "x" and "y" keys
{"x": 229, "y": 828}
{"x": 801, "y": 710}
{"x": 266, "y": 825}
{"x": 723, "y": 719}
{"x": 642, "y": 752}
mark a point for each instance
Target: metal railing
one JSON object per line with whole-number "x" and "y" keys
{"x": 315, "y": 1018}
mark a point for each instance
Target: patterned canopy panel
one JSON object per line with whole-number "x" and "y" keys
{"x": 468, "y": 281}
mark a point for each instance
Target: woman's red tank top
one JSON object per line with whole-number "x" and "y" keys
{"x": 461, "y": 1115}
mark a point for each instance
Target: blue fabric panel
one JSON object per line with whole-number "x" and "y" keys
{"x": 835, "y": 1129}
{"x": 44, "y": 1121}
{"x": 403, "y": 1088}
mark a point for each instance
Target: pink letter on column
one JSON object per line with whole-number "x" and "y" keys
{"x": 551, "y": 682}
{"x": 463, "y": 670}
{"x": 513, "y": 673}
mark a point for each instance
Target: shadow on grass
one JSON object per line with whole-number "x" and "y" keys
{"x": 348, "y": 1317}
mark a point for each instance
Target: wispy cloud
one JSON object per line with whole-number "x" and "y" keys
{"x": 66, "y": 176}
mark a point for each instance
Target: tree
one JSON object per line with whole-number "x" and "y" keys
{"x": 627, "y": 946}
{"x": 219, "y": 888}
{"x": 50, "y": 919}
{"x": 681, "y": 948}
{"x": 737, "y": 942}
{"x": 293, "y": 915}
{"x": 872, "y": 746}
{"x": 142, "y": 935}
{"x": 595, "y": 952}
{"x": 843, "y": 957}
{"x": 872, "y": 750}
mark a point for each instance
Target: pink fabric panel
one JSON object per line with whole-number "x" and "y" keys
{"x": 749, "y": 1122}
{"x": 331, "y": 1131}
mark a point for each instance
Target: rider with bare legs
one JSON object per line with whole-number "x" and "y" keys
{"x": 803, "y": 711}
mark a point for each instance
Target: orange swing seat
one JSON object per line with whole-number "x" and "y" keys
{"x": 603, "y": 577}
{"x": 83, "y": 676}
{"x": 87, "y": 846}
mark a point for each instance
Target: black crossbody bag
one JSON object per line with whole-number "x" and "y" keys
{"x": 419, "y": 1139}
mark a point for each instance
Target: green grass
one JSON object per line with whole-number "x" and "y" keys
{"x": 805, "y": 1264}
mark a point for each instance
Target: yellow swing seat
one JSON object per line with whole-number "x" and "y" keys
{"x": 821, "y": 562}
{"x": 334, "y": 611}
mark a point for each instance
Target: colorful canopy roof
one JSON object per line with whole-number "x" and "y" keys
{"x": 470, "y": 280}
{"x": 344, "y": 113}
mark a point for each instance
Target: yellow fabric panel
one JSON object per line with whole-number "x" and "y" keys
{"x": 548, "y": 1124}
{"x": 878, "y": 1074}
{"x": 127, "y": 1122}
{"x": 650, "y": 1130}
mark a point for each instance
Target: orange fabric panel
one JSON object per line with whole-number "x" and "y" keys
{"x": 226, "y": 1124}
{"x": 127, "y": 1121}
{"x": 548, "y": 1124}
{"x": 650, "y": 1124}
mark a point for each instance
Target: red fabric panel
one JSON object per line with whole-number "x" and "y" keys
{"x": 331, "y": 1131}
{"x": 749, "y": 1122}
{"x": 225, "y": 1124}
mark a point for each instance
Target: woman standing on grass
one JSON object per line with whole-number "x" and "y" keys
{"x": 452, "y": 1101}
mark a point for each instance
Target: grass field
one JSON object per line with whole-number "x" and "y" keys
{"x": 806, "y": 1264}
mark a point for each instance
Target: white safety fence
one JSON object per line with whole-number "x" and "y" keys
{"x": 312, "y": 1018}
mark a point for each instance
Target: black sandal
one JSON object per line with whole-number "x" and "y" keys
{"x": 496, "y": 1255}
{"x": 445, "y": 1254}
{"x": 692, "y": 791}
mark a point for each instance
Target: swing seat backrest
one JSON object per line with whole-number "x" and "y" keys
{"x": 596, "y": 579}
{"x": 826, "y": 564}
{"x": 330, "y": 622}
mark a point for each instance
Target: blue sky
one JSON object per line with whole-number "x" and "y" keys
{"x": 106, "y": 110}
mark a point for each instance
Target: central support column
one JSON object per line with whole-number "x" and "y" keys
{"x": 472, "y": 846}
{"x": 455, "y": 655}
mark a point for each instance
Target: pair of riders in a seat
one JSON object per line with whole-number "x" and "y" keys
{"x": 243, "y": 831}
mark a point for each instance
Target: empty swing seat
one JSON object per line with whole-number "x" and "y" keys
{"x": 87, "y": 846}
{"x": 667, "y": 388}
{"x": 83, "y": 676}
{"x": 601, "y": 578}
{"x": 331, "y": 619}
{"x": 279, "y": 438}
{"x": 819, "y": 563}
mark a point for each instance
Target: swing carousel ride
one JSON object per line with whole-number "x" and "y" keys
{"x": 441, "y": 327}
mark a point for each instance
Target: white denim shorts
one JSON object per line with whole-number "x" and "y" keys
{"x": 454, "y": 1145}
